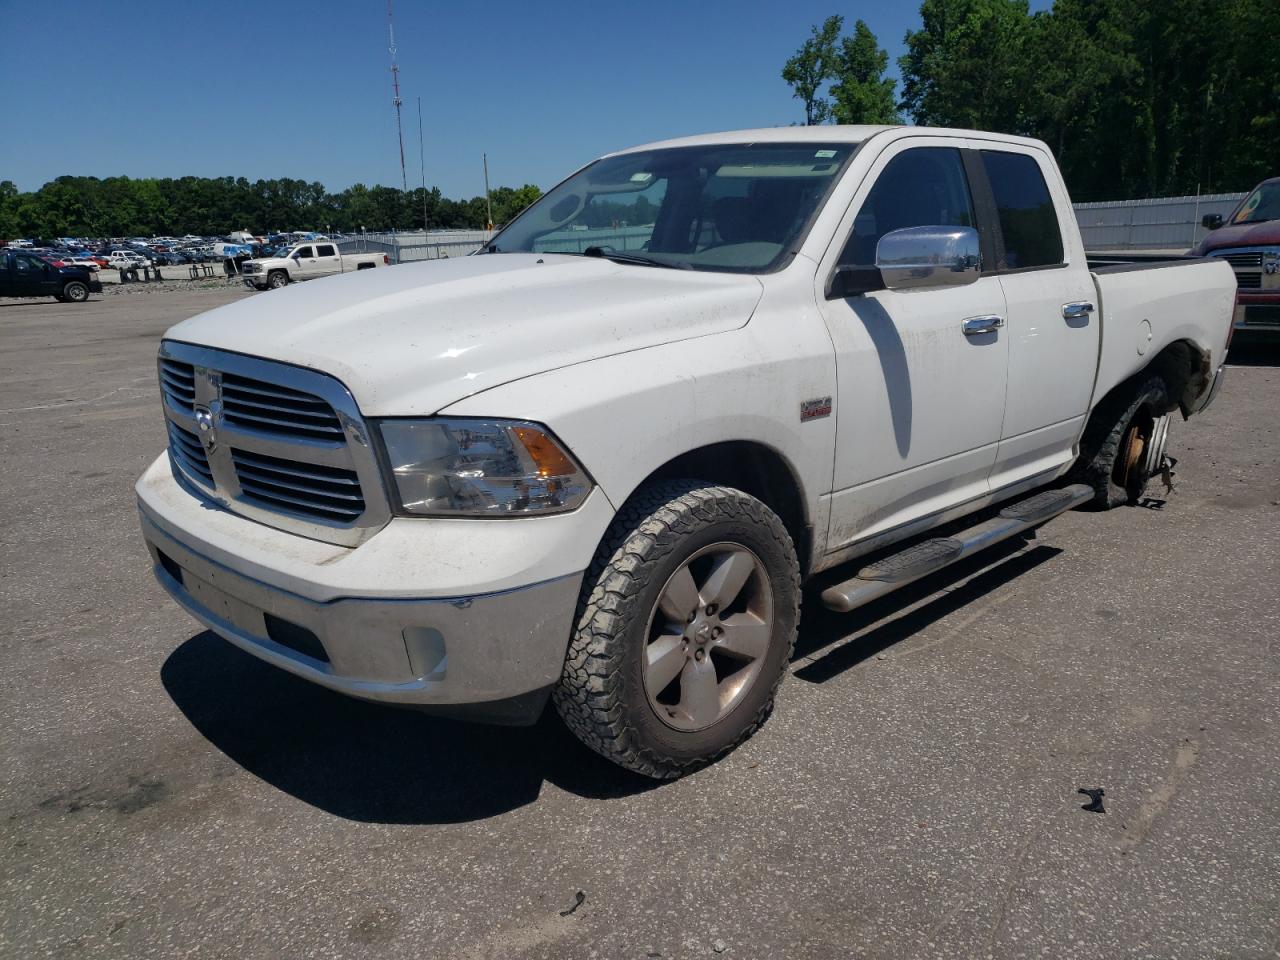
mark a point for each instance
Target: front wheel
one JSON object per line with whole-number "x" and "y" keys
{"x": 75, "y": 292}
{"x": 277, "y": 279}
{"x": 685, "y": 625}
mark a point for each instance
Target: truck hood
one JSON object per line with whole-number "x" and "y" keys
{"x": 1264, "y": 234}
{"x": 411, "y": 340}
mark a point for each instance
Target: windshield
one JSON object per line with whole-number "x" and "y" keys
{"x": 733, "y": 207}
{"x": 1262, "y": 204}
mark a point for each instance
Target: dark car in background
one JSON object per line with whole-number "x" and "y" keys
{"x": 24, "y": 274}
{"x": 1249, "y": 239}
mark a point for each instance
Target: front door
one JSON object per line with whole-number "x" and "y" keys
{"x": 305, "y": 258}
{"x": 919, "y": 403}
{"x": 32, "y": 277}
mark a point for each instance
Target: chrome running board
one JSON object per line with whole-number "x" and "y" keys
{"x": 907, "y": 566}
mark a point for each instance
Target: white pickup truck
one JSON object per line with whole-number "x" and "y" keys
{"x": 594, "y": 463}
{"x": 306, "y": 261}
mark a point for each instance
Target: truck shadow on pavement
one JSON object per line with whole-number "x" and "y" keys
{"x": 379, "y": 764}
{"x": 1252, "y": 350}
{"x": 831, "y": 643}
{"x": 373, "y": 763}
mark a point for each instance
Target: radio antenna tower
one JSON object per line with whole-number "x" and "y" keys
{"x": 395, "y": 95}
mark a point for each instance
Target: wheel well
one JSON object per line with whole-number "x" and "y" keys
{"x": 752, "y": 468}
{"x": 1185, "y": 367}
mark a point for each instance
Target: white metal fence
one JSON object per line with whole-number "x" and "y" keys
{"x": 1164, "y": 223}
{"x": 407, "y": 247}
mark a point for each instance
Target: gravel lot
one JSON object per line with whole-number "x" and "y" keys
{"x": 162, "y": 794}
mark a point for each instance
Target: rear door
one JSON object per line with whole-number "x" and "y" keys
{"x": 1052, "y": 324}
{"x": 327, "y": 259}
{"x": 919, "y": 404}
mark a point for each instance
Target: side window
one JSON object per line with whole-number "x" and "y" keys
{"x": 922, "y": 187}
{"x": 1032, "y": 236}
{"x": 304, "y": 252}
{"x": 326, "y": 250}
{"x": 28, "y": 264}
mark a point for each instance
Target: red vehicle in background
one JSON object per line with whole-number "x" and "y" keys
{"x": 1249, "y": 239}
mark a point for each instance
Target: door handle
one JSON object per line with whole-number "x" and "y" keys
{"x": 1078, "y": 310}
{"x": 975, "y": 326}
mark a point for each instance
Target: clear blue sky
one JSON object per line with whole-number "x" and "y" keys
{"x": 302, "y": 88}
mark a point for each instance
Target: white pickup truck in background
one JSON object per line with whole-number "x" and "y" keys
{"x": 594, "y": 463}
{"x": 306, "y": 261}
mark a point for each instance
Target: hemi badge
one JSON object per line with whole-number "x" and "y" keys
{"x": 815, "y": 409}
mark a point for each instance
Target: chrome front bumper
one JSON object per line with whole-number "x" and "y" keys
{"x": 492, "y": 657}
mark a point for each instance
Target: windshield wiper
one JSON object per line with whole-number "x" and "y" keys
{"x": 619, "y": 257}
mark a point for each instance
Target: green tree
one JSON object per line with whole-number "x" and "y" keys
{"x": 968, "y": 65}
{"x": 508, "y": 202}
{"x": 860, "y": 92}
{"x": 8, "y": 209}
{"x": 810, "y": 68}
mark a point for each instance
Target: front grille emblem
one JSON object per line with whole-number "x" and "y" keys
{"x": 208, "y": 431}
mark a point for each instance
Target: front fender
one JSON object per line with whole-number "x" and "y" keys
{"x": 625, "y": 416}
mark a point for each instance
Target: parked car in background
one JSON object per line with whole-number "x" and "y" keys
{"x": 86, "y": 261}
{"x": 126, "y": 259}
{"x": 599, "y": 474}
{"x": 23, "y": 274}
{"x": 307, "y": 261}
{"x": 1249, "y": 239}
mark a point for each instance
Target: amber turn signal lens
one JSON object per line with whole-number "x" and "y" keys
{"x": 546, "y": 453}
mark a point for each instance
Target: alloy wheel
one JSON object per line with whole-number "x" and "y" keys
{"x": 707, "y": 636}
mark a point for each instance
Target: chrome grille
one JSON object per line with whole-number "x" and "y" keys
{"x": 269, "y": 408}
{"x": 178, "y": 382}
{"x": 280, "y": 444}
{"x": 327, "y": 493}
{"x": 185, "y": 448}
{"x": 1251, "y": 259}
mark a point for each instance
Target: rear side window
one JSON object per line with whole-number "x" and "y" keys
{"x": 325, "y": 250}
{"x": 1032, "y": 237}
{"x": 921, "y": 187}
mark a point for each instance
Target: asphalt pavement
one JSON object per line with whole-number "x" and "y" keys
{"x": 915, "y": 795}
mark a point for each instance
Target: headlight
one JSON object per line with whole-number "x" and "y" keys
{"x": 481, "y": 468}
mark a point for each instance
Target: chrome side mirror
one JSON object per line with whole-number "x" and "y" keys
{"x": 928, "y": 257}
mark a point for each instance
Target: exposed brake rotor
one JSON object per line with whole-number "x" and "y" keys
{"x": 1134, "y": 445}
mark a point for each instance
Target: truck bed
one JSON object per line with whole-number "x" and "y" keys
{"x": 1119, "y": 260}
{"x": 1146, "y": 305}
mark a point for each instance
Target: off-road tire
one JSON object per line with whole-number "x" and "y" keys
{"x": 1104, "y": 438}
{"x": 601, "y": 695}
{"x": 75, "y": 292}
{"x": 277, "y": 279}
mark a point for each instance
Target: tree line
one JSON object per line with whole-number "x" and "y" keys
{"x": 1136, "y": 99}
{"x": 213, "y": 206}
